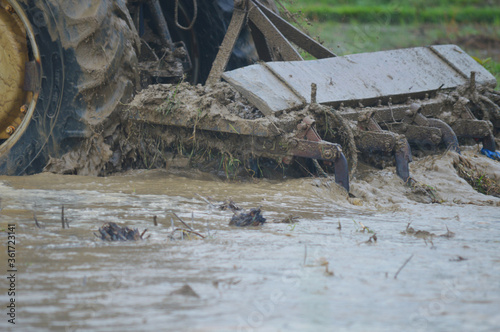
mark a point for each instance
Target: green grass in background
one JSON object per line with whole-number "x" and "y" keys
{"x": 398, "y": 12}
{"x": 426, "y": 3}
{"x": 366, "y": 26}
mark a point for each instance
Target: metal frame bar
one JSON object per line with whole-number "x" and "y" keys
{"x": 272, "y": 36}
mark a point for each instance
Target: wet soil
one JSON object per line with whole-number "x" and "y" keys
{"x": 347, "y": 264}
{"x": 163, "y": 126}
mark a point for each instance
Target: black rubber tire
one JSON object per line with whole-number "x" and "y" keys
{"x": 206, "y": 36}
{"x": 88, "y": 63}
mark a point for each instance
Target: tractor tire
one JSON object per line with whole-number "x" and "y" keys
{"x": 206, "y": 36}
{"x": 88, "y": 66}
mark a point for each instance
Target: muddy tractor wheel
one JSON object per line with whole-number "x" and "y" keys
{"x": 71, "y": 63}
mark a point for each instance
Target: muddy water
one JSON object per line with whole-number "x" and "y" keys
{"x": 308, "y": 276}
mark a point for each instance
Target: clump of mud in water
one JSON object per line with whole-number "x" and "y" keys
{"x": 112, "y": 232}
{"x": 251, "y": 218}
{"x": 479, "y": 180}
{"x": 185, "y": 290}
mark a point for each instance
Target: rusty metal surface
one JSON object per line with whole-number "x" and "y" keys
{"x": 316, "y": 150}
{"x": 351, "y": 79}
{"x": 309, "y": 144}
{"x": 306, "y": 130}
{"x": 294, "y": 147}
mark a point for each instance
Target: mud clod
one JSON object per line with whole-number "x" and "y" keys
{"x": 185, "y": 290}
{"x": 252, "y": 218}
{"x": 112, "y": 232}
{"x": 479, "y": 180}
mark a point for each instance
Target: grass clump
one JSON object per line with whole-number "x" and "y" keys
{"x": 476, "y": 178}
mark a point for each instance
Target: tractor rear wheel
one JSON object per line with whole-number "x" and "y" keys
{"x": 70, "y": 64}
{"x": 209, "y": 23}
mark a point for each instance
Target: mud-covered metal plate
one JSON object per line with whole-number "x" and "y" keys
{"x": 366, "y": 78}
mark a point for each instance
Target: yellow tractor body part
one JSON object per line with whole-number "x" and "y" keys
{"x": 13, "y": 57}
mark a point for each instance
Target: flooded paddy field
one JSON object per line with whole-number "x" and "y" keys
{"x": 386, "y": 260}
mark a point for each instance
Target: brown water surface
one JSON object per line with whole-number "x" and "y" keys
{"x": 308, "y": 276}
